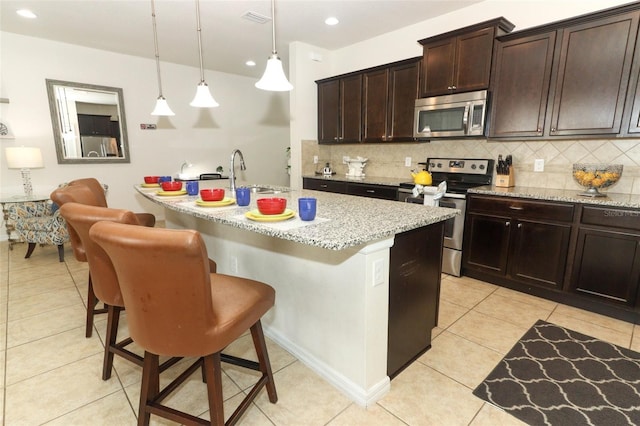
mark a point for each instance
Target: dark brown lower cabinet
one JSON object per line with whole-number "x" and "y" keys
{"x": 525, "y": 241}
{"x": 414, "y": 292}
{"x": 583, "y": 255}
{"x": 539, "y": 253}
{"x": 608, "y": 265}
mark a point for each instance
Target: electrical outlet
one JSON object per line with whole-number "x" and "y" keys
{"x": 407, "y": 161}
{"x": 538, "y": 165}
{"x": 233, "y": 265}
{"x": 315, "y": 159}
{"x": 344, "y": 159}
{"x": 378, "y": 272}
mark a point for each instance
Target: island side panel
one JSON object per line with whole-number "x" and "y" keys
{"x": 328, "y": 312}
{"x": 414, "y": 294}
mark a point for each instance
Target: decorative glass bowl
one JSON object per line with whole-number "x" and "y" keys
{"x": 596, "y": 176}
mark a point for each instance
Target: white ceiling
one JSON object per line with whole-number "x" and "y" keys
{"x": 124, "y": 26}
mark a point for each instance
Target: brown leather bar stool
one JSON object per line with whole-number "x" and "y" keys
{"x": 90, "y": 192}
{"x": 177, "y": 307}
{"x": 80, "y": 218}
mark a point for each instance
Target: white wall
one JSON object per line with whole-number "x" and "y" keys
{"x": 253, "y": 120}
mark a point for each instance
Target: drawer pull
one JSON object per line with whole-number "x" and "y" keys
{"x": 516, "y": 208}
{"x": 324, "y": 186}
{"x": 371, "y": 191}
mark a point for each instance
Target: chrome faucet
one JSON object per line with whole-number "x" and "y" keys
{"x": 232, "y": 176}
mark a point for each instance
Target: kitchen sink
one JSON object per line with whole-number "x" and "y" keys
{"x": 258, "y": 189}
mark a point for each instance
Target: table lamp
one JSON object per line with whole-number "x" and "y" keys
{"x": 25, "y": 159}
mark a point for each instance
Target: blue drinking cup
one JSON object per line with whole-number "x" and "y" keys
{"x": 307, "y": 208}
{"x": 243, "y": 196}
{"x": 193, "y": 187}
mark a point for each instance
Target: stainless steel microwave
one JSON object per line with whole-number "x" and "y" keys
{"x": 457, "y": 115}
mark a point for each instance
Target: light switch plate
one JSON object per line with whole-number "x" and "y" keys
{"x": 538, "y": 165}
{"x": 315, "y": 159}
{"x": 407, "y": 161}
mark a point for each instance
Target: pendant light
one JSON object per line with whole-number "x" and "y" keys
{"x": 162, "y": 107}
{"x": 203, "y": 98}
{"x": 273, "y": 78}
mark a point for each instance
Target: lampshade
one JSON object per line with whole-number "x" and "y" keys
{"x": 203, "y": 98}
{"x": 22, "y": 157}
{"x": 273, "y": 78}
{"x": 162, "y": 107}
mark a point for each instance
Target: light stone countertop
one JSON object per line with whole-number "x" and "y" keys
{"x": 611, "y": 200}
{"x": 342, "y": 221}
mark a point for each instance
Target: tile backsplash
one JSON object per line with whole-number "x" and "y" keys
{"x": 388, "y": 160}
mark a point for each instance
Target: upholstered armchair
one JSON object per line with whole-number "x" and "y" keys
{"x": 39, "y": 222}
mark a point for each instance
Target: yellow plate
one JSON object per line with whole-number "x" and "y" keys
{"x": 224, "y": 202}
{"x": 172, "y": 193}
{"x": 150, "y": 185}
{"x": 259, "y": 217}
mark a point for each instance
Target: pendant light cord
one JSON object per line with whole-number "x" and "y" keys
{"x": 199, "y": 41}
{"x": 273, "y": 26}
{"x": 155, "y": 44}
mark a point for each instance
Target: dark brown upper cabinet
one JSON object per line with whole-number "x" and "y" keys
{"x": 371, "y": 105}
{"x": 460, "y": 60}
{"x": 389, "y": 96}
{"x": 521, "y": 81}
{"x": 340, "y": 109}
{"x": 594, "y": 65}
{"x": 565, "y": 79}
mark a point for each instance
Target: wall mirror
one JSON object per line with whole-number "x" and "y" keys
{"x": 89, "y": 123}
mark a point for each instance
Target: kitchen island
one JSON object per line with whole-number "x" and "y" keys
{"x": 333, "y": 277}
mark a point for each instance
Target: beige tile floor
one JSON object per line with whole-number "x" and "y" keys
{"x": 50, "y": 373}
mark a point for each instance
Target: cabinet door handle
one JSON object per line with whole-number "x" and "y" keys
{"x": 449, "y": 87}
{"x": 507, "y": 223}
{"x": 324, "y": 186}
{"x": 454, "y": 87}
{"x": 371, "y": 191}
{"x": 516, "y": 208}
{"x": 519, "y": 226}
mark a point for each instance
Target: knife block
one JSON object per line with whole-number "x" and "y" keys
{"x": 506, "y": 181}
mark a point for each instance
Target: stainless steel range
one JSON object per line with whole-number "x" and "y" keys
{"x": 461, "y": 174}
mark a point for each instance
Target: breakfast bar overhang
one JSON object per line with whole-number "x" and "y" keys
{"x": 332, "y": 277}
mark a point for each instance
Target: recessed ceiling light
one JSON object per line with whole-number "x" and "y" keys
{"x": 332, "y": 20}
{"x": 26, "y": 13}
{"x": 250, "y": 63}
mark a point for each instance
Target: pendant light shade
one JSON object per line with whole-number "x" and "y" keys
{"x": 203, "y": 98}
{"x": 162, "y": 107}
{"x": 274, "y": 79}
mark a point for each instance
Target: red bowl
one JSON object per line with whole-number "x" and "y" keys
{"x": 214, "y": 194}
{"x": 171, "y": 186}
{"x": 272, "y": 205}
{"x": 151, "y": 179}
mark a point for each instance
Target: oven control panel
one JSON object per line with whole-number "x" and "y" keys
{"x": 465, "y": 165}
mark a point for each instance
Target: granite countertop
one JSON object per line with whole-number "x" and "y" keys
{"x": 342, "y": 221}
{"x": 571, "y": 196}
{"x": 371, "y": 180}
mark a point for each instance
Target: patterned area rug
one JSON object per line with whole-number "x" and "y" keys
{"x": 555, "y": 376}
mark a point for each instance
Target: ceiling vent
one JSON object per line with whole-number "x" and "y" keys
{"x": 256, "y": 17}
